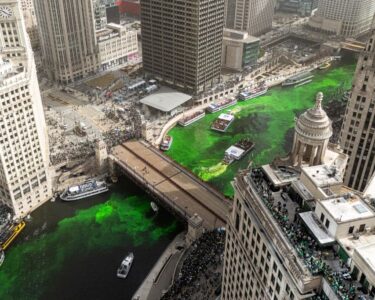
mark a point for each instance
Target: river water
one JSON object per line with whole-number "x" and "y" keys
{"x": 72, "y": 250}
{"x": 266, "y": 120}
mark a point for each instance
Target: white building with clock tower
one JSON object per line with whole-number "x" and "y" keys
{"x": 24, "y": 154}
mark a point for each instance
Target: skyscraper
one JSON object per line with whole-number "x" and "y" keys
{"x": 357, "y": 136}
{"x": 348, "y": 18}
{"x": 253, "y": 16}
{"x": 182, "y": 41}
{"x": 68, "y": 42}
{"x": 299, "y": 233}
{"x": 24, "y": 155}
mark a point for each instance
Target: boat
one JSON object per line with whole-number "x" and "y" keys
{"x": 186, "y": 121}
{"x": 87, "y": 189}
{"x": 154, "y": 207}
{"x": 126, "y": 264}
{"x": 222, "y": 123}
{"x": 2, "y": 257}
{"x": 252, "y": 93}
{"x": 324, "y": 66}
{"x": 10, "y": 233}
{"x": 299, "y": 79}
{"x": 238, "y": 151}
{"x": 215, "y": 107}
{"x": 166, "y": 143}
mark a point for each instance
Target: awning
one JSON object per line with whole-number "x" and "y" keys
{"x": 316, "y": 228}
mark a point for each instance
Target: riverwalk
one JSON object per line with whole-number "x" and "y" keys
{"x": 161, "y": 276}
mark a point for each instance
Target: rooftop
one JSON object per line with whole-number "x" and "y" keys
{"x": 280, "y": 176}
{"x": 347, "y": 208}
{"x": 323, "y": 176}
{"x": 166, "y": 99}
{"x": 307, "y": 237}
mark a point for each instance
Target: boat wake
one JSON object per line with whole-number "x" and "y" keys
{"x": 206, "y": 174}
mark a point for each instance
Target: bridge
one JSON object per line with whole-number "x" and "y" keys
{"x": 172, "y": 185}
{"x": 353, "y": 45}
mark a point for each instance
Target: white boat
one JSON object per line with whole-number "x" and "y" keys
{"x": 215, "y": 107}
{"x": 154, "y": 207}
{"x": 126, "y": 264}
{"x": 87, "y": 189}
{"x": 222, "y": 123}
{"x": 2, "y": 257}
{"x": 166, "y": 143}
{"x": 253, "y": 93}
{"x": 186, "y": 121}
{"x": 299, "y": 79}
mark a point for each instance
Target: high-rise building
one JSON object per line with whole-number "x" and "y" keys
{"x": 100, "y": 12}
{"x": 348, "y": 18}
{"x": 68, "y": 42}
{"x": 357, "y": 135}
{"x": 182, "y": 41}
{"x": 302, "y": 7}
{"x": 253, "y": 16}
{"x": 24, "y": 155}
{"x": 30, "y": 21}
{"x": 298, "y": 233}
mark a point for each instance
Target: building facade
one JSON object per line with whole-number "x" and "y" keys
{"x": 100, "y": 12}
{"x": 357, "y": 135}
{"x": 24, "y": 157}
{"x": 301, "y": 7}
{"x": 30, "y": 22}
{"x": 348, "y": 18}
{"x": 239, "y": 50}
{"x": 298, "y": 233}
{"x": 118, "y": 45}
{"x": 67, "y": 37}
{"x": 182, "y": 42}
{"x": 253, "y": 16}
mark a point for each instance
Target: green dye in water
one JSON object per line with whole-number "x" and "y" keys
{"x": 29, "y": 266}
{"x": 265, "y": 120}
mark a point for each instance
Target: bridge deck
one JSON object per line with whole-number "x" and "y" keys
{"x": 163, "y": 176}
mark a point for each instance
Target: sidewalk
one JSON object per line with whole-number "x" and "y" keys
{"x": 160, "y": 277}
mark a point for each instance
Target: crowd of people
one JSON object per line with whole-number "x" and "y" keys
{"x": 305, "y": 245}
{"x": 200, "y": 274}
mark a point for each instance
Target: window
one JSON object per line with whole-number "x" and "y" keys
{"x": 362, "y": 227}
{"x": 322, "y": 217}
{"x": 327, "y": 223}
{"x": 351, "y": 229}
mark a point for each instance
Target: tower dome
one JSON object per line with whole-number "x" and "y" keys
{"x": 312, "y": 133}
{"x": 314, "y": 124}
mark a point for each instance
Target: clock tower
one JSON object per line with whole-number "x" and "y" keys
{"x": 13, "y": 39}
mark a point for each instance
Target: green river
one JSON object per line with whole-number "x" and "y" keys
{"x": 266, "y": 120}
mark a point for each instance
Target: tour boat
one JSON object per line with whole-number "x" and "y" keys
{"x": 9, "y": 234}
{"x": 87, "y": 189}
{"x": 259, "y": 90}
{"x": 324, "y": 66}
{"x": 186, "y": 121}
{"x": 126, "y": 264}
{"x": 238, "y": 151}
{"x": 2, "y": 257}
{"x": 299, "y": 79}
{"x": 222, "y": 123}
{"x": 166, "y": 143}
{"x": 215, "y": 107}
